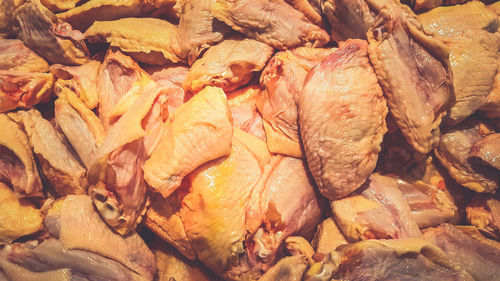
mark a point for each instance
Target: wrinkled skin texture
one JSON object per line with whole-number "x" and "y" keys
{"x": 412, "y": 69}
{"x": 50, "y": 37}
{"x": 17, "y": 164}
{"x": 118, "y": 82}
{"x": 381, "y": 212}
{"x": 471, "y": 32}
{"x": 117, "y": 184}
{"x": 491, "y": 107}
{"x": 453, "y": 153}
{"x": 228, "y": 65}
{"x": 342, "y": 148}
{"x": 198, "y": 29}
{"x": 83, "y": 16}
{"x": 68, "y": 216}
{"x": 488, "y": 150}
{"x": 15, "y": 56}
{"x": 159, "y": 46}
{"x": 200, "y": 131}
{"x": 483, "y": 212}
{"x": 17, "y": 217}
{"x": 479, "y": 259}
{"x": 249, "y": 184}
{"x": 273, "y": 22}
{"x": 58, "y": 164}
{"x": 24, "y": 90}
{"x": 396, "y": 259}
{"x": 80, "y": 79}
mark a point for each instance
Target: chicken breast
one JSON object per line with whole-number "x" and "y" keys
{"x": 80, "y": 79}
{"x": 200, "y": 131}
{"x": 50, "y": 37}
{"x": 15, "y": 56}
{"x": 17, "y": 164}
{"x": 273, "y": 22}
{"x": 60, "y": 167}
{"x": 23, "y": 89}
{"x": 342, "y": 148}
{"x": 228, "y": 65}
{"x": 159, "y": 46}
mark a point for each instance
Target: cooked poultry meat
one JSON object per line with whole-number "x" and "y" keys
{"x": 228, "y": 65}
{"x": 24, "y": 89}
{"x": 413, "y": 71}
{"x": 488, "y": 150}
{"x": 80, "y": 79}
{"x": 198, "y": 29}
{"x": 159, "y": 46}
{"x": 453, "y": 153}
{"x": 17, "y": 164}
{"x": 116, "y": 180}
{"x": 52, "y": 38}
{"x": 356, "y": 127}
{"x": 479, "y": 259}
{"x": 18, "y": 217}
{"x": 83, "y": 16}
{"x": 15, "y": 56}
{"x": 471, "y": 32}
{"x": 200, "y": 131}
{"x": 58, "y": 164}
{"x": 273, "y": 22}
{"x": 483, "y": 212}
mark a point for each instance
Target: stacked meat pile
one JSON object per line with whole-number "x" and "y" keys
{"x": 249, "y": 140}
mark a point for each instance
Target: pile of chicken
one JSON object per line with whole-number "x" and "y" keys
{"x": 249, "y": 140}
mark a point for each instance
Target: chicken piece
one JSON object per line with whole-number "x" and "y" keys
{"x": 159, "y": 46}
{"x": 80, "y": 126}
{"x": 24, "y": 90}
{"x": 15, "y": 56}
{"x": 172, "y": 78}
{"x": 479, "y": 259}
{"x": 396, "y": 259}
{"x": 474, "y": 48}
{"x": 273, "y": 22}
{"x": 282, "y": 80}
{"x": 119, "y": 80}
{"x": 491, "y": 107}
{"x": 228, "y": 65}
{"x": 231, "y": 212}
{"x": 52, "y": 38}
{"x": 18, "y": 218}
{"x": 417, "y": 86}
{"x": 83, "y": 16}
{"x": 309, "y": 10}
{"x": 200, "y": 131}
{"x": 50, "y": 257}
{"x": 61, "y": 169}
{"x": 173, "y": 266}
{"x": 198, "y": 29}
{"x": 495, "y": 7}
{"x": 68, "y": 216}
{"x": 246, "y": 117}
{"x": 288, "y": 268}
{"x": 488, "y": 150}
{"x": 328, "y": 237}
{"x": 342, "y": 148}
{"x": 484, "y": 213}
{"x": 117, "y": 184}
{"x": 17, "y": 165}
{"x": 453, "y": 153}
{"x": 429, "y": 205}
{"x": 380, "y": 212}
{"x": 7, "y": 21}
{"x": 14, "y": 272}
{"x": 424, "y": 5}
{"x": 59, "y": 5}
{"x": 80, "y": 79}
